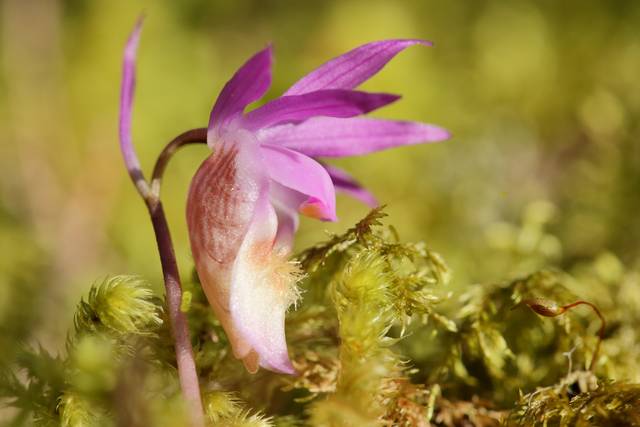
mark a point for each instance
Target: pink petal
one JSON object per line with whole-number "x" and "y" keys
{"x": 246, "y": 276}
{"x": 220, "y": 205}
{"x": 262, "y": 288}
{"x": 334, "y": 137}
{"x": 248, "y": 84}
{"x": 126, "y": 100}
{"x": 286, "y": 203}
{"x": 332, "y": 103}
{"x": 351, "y": 69}
{"x": 305, "y": 175}
{"x": 347, "y": 184}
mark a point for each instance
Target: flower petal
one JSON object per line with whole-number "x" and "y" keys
{"x": 347, "y": 184}
{"x": 305, "y": 175}
{"x": 348, "y": 71}
{"x": 286, "y": 203}
{"x": 331, "y": 103}
{"x": 220, "y": 205}
{"x": 247, "y": 278}
{"x": 335, "y": 137}
{"x": 127, "y": 91}
{"x": 262, "y": 289}
{"x": 248, "y": 84}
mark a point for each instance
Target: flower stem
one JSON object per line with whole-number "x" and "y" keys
{"x": 184, "y": 353}
{"x": 193, "y": 136}
{"x": 179, "y": 326}
{"x": 187, "y": 373}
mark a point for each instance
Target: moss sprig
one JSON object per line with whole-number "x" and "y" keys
{"x": 119, "y": 305}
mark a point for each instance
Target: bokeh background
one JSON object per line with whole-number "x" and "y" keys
{"x": 542, "y": 98}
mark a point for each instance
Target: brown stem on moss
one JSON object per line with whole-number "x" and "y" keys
{"x": 549, "y": 308}
{"x": 603, "y": 325}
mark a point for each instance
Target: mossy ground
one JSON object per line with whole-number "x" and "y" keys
{"x": 377, "y": 340}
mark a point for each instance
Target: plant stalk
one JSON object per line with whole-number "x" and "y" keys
{"x": 179, "y": 325}
{"x": 184, "y": 353}
{"x": 193, "y": 136}
{"x": 187, "y": 373}
{"x": 180, "y": 328}
{"x": 549, "y": 308}
{"x": 603, "y": 325}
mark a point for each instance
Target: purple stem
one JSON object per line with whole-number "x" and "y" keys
{"x": 180, "y": 328}
{"x": 184, "y": 353}
{"x": 193, "y": 136}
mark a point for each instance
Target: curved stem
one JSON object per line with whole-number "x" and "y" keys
{"x": 603, "y": 325}
{"x": 551, "y": 309}
{"x": 193, "y": 136}
{"x": 184, "y": 353}
{"x": 187, "y": 373}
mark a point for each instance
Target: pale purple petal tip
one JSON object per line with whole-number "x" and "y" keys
{"x": 282, "y": 365}
{"x": 127, "y": 91}
{"x": 248, "y": 84}
{"x": 335, "y": 137}
{"x": 351, "y": 69}
{"x": 345, "y": 183}
{"x": 330, "y": 103}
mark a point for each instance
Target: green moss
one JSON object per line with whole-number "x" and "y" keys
{"x": 376, "y": 340}
{"x": 579, "y": 400}
{"x": 120, "y": 304}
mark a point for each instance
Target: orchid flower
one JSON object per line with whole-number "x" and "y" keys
{"x": 245, "y": 199}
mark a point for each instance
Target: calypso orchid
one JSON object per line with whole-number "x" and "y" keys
{"x": 244, "y": 200}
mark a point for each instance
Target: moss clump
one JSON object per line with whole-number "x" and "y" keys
{"x": 579, "y": 400}
{"x": 376, "y": 341}
{"x": 121, "y": 305}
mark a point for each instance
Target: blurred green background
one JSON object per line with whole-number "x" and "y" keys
{"x": 542, "y": 98}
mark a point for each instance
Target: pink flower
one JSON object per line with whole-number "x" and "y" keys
{"x": 244, "y": 201}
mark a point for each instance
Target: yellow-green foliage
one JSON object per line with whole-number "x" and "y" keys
{"x": 505, "y": 346}
{"x": 92, "y": 364}
{"x": 224, "y": 409}
{"x": 362, "y": 302}
{"x": 374, "y": 284}
{"x": 121, "y": 304}
{"x": 219, "y": 405}
{"x": 581, "y": 401}
{"x": 377, "y": 340}
{"x": 76, "y": 410}
{"x": 541, "y": 97}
